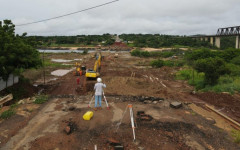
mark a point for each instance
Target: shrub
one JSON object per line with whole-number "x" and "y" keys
{"x": 41, "y": 99}
{"x": 187, "y": 74}
{"x": 167, "y": 54}
{"x": 225, "y": 84}
{"x": 229, "y": 54}
{"x": 179, "y": 63}
{"x": 184, "y": 74}
{"x": 234, "y": 69}
{"x": 169, "y": 63}
{"x": 7, "y": 114}
{"x": 236, "y": 135}
{"x": 85, "y": 51}
{"x": 157, "y": 63}
{"x": 236, "y": 60}
{"x": 136, "y": 52}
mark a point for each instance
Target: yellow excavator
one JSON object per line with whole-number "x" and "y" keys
{"x": 94, "y": 73}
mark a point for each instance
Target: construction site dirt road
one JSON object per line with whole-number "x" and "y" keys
{"x": 58, "y": 123}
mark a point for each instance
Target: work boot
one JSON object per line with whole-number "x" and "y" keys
{"x": 100, "y": 108}
{"x": 95, "y": 108}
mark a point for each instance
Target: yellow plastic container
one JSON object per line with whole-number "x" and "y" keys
{"x": 88, "y": 115}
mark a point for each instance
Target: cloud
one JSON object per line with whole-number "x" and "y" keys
{"x": 176, "y": 17}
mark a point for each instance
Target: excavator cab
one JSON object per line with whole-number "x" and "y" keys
{"x": 80, "y": 70}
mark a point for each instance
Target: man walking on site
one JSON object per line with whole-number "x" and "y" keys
{"x": 98, "y": 93}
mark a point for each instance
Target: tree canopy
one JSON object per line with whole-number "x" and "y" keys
{"x": 15, "y": 51}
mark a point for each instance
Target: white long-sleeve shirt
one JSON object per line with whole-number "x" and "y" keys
{"x": 99, "y": 88}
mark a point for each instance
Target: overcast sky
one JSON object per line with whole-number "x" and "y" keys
{"x": 174, "y": 17}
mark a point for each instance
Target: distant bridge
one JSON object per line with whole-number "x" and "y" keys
{"x": 228, "y": 31}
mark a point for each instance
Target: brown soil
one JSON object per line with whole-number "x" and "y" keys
{"x": 127, "y": 82}
{"x": 226, "y": 103}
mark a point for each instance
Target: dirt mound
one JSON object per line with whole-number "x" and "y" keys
{"x": 225, "y": 102}
{"x": 20, "y": 90}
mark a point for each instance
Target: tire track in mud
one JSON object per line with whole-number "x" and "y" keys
{"x": 37, "y": 127}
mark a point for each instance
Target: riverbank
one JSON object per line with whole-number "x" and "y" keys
{"x": 111, "y": 48}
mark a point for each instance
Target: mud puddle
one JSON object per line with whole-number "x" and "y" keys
{"x": 61, "y": 60}
{"x": 60, "y": 72}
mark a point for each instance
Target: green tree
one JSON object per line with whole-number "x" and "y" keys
{"x": 15, "y": 52}
{"x": 213, "y": 69}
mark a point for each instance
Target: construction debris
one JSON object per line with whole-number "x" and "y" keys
{"x": 176, "y": 105}
{"x": 115, "y": 144}
{"x": 70, "y": 128}
{"x": 143, "y": 117}
{"x": 5, "y": 99}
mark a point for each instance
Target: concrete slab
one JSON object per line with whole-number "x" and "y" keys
{"x": 176, "y": 105}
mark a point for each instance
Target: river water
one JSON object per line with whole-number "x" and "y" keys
{"x": 75, "y": 51}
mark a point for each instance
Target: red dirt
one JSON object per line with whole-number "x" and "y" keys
{"x": 156, "y": 134}
{"x": 224, "y": 102}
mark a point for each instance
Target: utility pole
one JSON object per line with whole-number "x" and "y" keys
{"x": 43, "y": 68}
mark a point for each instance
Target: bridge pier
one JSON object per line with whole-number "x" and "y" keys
{"x": 218, "y": 42}
{"x": 211, "y": 41}
{"x": 237, "y": 42}
{"x": 206, "y": 39}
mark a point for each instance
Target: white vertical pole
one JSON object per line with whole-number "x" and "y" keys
{"x": 105, "y": 100}
{"x": 132, "y": 121}
{"x": 90, "y": 102}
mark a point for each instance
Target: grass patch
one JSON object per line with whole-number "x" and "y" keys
{"x": 170, "y": 63}
{"x": 41, "y": 99}
{"x": 192, "y": 76}
{"x": 49, "y": 63}
{"x": 162, "y": 54}
{"x": 9, "y": 113}
{"x": 225, "y": 83}
{"x": 157, "y": 63}
{"x": 130, "y": 44}
{"x": 236, "y": 136}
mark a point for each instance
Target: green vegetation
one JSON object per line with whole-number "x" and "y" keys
{"x": 19, "y": 91}
{"x": 225, "y": 83}
{"x": 157, "y": 63}
{"x": 157, "y": 41}
{"x": 213, "y": 70}
{"x": 170, "y": 63}
{"x": 236, "y": 135}
{"x": 155, "y": 54}
{"x": 16, "y": 52}
{"x": 41, "y": 99}
{"x": 49, "y": 63}
{"x": 85, "y": 52}
{"x": 7, "y": 114}
{"x": 132, "y": 40}
{"x": 10, "y": 112}
{"x": 72, "y": 41}
{"x": 192, "y": 76}
{"x": 207, "y": 70}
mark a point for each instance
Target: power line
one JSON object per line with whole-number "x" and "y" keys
{"x": 67, "y": 14}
